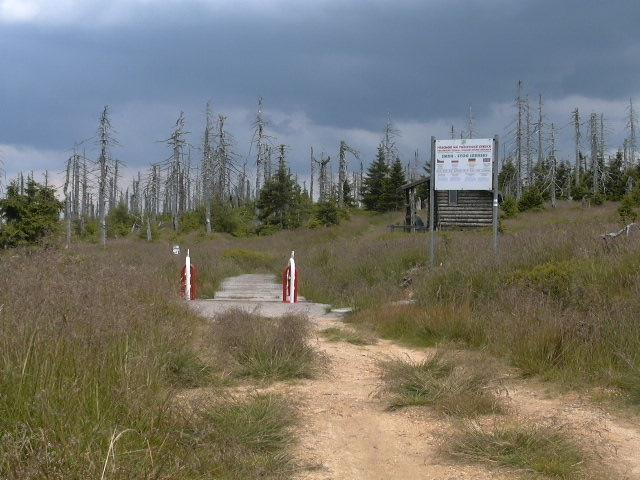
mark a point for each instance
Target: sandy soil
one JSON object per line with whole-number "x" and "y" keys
{"x": 345, "y": 431}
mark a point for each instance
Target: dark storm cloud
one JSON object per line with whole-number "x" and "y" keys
{"x": 345, "y": 64}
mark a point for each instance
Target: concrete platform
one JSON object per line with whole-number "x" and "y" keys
{"x": 256, "y": 293}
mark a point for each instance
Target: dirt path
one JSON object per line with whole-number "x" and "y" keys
{"x": 617, "y": 439}
{"x": 346, "y": 433}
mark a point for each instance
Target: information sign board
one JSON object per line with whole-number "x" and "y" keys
{"x": 464, "y": 164}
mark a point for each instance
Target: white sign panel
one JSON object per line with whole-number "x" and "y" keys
{"x": 464, "y": 164}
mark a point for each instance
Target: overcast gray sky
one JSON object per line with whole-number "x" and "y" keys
{"x": 327, "y": 70}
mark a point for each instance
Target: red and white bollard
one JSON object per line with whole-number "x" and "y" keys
{"x": 189, "y": 280}
{"x": 290, "y": 282}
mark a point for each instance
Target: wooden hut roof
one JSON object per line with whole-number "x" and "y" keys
{"x": 414, "y": 184}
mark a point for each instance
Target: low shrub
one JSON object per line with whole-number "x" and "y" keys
{"x": 334, "y": 334}
{"x": 120, "y": 222}
{"x": 509, "y": 207}
{"x": 552, "y": 278}
{"x": 90, "y": 355}
{"x": 536, "y": 449}
{"x": 450, "y": 383}
{"x": 265, "y": 348}
{"x": 249, "y": 260}
{"x": 246, "y": 439}
{"x": 192, "y": 221}
{"x": 627, "y": 211}
{"x": 238, "y": 221}
{"x": 421, "y": 326}
{"x": 598, "y": 198}
{"x": 532, "y": 198}
{"x": 185, "y": 369}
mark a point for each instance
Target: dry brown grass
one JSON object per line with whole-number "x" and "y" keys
{"x": 555, "y": 302}
{"x": 528, "y": 450}
{"x": 265, "y": 348}
{"x": 453, "y": 383}
{"x": 92, "y": 345}
{"x": 91, "y": 342}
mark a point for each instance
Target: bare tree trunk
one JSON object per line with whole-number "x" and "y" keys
{"x": 67, "y": 201}
{"x": 519, "y": 142}
{"x": 576, "y": 126}
{"x": 260, "y": 125}
{"x": 631, "y": 125}
{"x": 148, "y": 229}
{"x": 553, "y": 166}
{"x": 593, "y": 125}
{"x": 103, "y": 159}
{"x": 527, "y": 139}
{"x": 313, "y": 162}
{"x": 85, "y": 196}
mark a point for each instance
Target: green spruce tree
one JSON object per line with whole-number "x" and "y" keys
{"x": 507, "y": 179}
{"x": 281, "y": 200}
{"x": 393, "y": 197}
{"x": 615, "y": 181}
{"x": 347, "y": 195}
{"x": 374, "y": 184}
{"x": 30, "y": 213}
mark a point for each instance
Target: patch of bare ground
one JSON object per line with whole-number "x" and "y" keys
{"x": 346, "y": 431}
{"x": 616, "y": 440}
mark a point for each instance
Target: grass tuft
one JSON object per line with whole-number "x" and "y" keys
{"x": 266, "y": 348}
{"x": 543, "y": 450}
{"x": 249, "y": 438}
{"x": 185, "y": 369}
{"x": 249, "y": 260}
{"x": 448, "y": 382}
{"x": 335, "y": 334}
{"x": 419, "y": 326}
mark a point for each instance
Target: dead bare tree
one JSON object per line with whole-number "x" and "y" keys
{"x": 207, "y": 169}
{"x": 175, "y": 180}
{"x": 576, "y": 127}
{"x": 601, "y": 147}
{"x": 259, "y": 126}
{"x": 632, "y": 122}
{"x": 527, "y": 140}
{"x": 323, "y": 178}
{"x": 519, "y": 137}
{"x": 389, "y": 146}
{"x": 106, "y": 141}
{"x": 75, "y": 192}
{"x": 593, "y": 131}
{"x": 113, "y": 194}
{"x": 313, "y": 168}
{"x": 86, "y": 209}
{"x": 223, "y": 161}
{"x": 342, "y": 168}
{"x": 552, "y": 166}
{"x": 413, "y": 171}
{"x": 267, "y": 162}
{"x": 67, "y": 200}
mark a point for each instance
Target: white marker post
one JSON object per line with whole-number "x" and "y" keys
{"x": 292, "y": 281}
{"x": 187, "y": 276}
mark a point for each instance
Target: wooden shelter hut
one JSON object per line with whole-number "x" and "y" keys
{"x": 454, "y": 209}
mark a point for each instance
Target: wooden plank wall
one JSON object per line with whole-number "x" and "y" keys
{"x": 474, "y": 209}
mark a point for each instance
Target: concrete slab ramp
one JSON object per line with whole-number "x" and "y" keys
{"x": 256, "y": 293}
